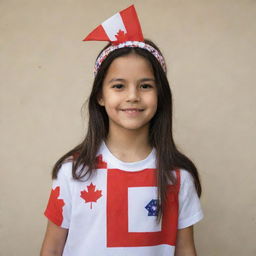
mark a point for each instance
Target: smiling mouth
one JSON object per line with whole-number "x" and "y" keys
{"x": 132, "y": 110}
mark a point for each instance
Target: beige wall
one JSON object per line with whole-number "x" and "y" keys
{"x": 46, "y": 74}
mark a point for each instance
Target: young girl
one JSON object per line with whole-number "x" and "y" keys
{"x": 126, "y": 190}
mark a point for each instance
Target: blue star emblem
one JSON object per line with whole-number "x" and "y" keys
{"x": 152, "y": 207}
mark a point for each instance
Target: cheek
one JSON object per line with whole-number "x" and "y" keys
{"x": 112, "y": 100}
{"x": 111, "y": 106}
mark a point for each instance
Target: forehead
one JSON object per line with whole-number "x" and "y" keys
{"x": 130, "y": 66}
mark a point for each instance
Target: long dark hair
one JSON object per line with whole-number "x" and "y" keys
{"x": 160, "y": 130}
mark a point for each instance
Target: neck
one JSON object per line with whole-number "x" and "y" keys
{"x": 129, "y": 145}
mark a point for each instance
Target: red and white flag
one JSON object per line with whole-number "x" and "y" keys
{"x": 121, "y": 27}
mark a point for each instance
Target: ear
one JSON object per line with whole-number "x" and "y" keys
{"x": 101, "y": 102}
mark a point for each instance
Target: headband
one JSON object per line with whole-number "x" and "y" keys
{"x": 130, "y": 44}
{"x": 122, "y": 30}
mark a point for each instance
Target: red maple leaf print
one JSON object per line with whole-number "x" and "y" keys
{"x": 54, "y": 207}
{"x": 100, "y": 164}
{"x": 120, "y": 37}
{"x": 91, "y": 195}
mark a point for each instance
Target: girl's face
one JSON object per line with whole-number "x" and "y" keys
{"x": 129, "y": 93}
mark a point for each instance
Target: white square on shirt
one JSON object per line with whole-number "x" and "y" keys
{"x": 138, "y": 219}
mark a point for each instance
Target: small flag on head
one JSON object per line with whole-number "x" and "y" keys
{"x": 121, "y": 27}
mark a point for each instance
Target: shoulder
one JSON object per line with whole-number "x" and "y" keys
{"x": 64, "y": 179}
{"x": 186, "y": 177}
{"x": 187, "y": 183}
{"x": 65, "y": 171}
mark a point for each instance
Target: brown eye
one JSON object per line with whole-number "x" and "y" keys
{"x": 118, "y": 86}
{"x": 146, "y": 86}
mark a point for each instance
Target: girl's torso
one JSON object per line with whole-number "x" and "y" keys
{"x": 114, "y": 211}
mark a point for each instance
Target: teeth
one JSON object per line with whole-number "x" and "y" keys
{"x": 132, "y": 109}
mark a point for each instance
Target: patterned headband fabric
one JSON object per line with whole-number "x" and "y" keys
{"x": 131, "y": 44}
{"x": 122, "y": 30}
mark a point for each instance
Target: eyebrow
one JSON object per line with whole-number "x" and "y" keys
{"x": 123, "y": 80}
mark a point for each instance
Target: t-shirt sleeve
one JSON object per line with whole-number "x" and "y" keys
{"x": 190, "y": 210}
{"x": 58, "y": 209}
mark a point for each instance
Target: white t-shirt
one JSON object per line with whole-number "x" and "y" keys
{"x": 113, "y": 212}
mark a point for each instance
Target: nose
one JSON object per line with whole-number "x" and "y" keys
{"x": 133, "y": 94}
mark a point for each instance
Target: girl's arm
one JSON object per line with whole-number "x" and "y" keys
{"x": 185, "y": 245}
{"x": 54, "y": 240}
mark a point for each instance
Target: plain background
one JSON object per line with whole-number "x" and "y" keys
{"x": 46, "y": 74}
